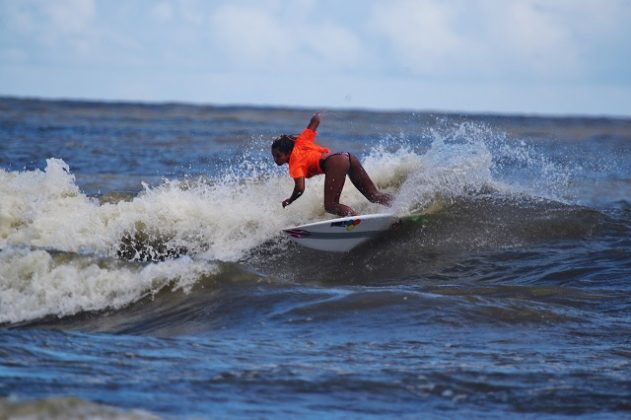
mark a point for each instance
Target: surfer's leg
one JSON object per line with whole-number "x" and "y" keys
{"x": 360, "y": 179}
{"x": 335, "y": 169}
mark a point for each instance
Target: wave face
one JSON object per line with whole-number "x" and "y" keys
{"x": 148, "y": 238}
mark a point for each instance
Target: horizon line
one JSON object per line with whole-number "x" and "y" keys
{"x": 498, "y": 114}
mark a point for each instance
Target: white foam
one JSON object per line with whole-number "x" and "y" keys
{"x": 224, "y": 218}
{"x": 35, "y": 284}
{"x": 46, "y": 209}
{"x": 220, "y": 219}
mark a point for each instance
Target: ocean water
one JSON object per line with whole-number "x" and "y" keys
{"x": 143, "y": 273}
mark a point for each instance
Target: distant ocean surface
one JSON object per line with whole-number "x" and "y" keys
{"x": 143, "y": 273}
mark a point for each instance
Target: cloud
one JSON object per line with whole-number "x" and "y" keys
{"x": 162, "y": 11}
{"x": 266, "y": 40}
{"x": 71, "y": 16}
{"x": 535, "y": 38}
{"x": 491, "y": 39}
{"x": 250, "y": 36}
{"x": 66, "y": 16}
{"x": 46, "y": 31}
{"x": 335, "y": 45}
{"x": 191, "y": 12}
{"x": 396, "y": 46}
{"x": 420, "y": 31}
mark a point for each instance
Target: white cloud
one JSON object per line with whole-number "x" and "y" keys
{"x": 537, "y": 40}
{"x": 191, "y": 11}
{"x": 264, "y": 39}
{"x": 249, "y": 35}
{"x": 421, "y": 32}
{"x": 70, "y": 16}
{"x": 332, "y": 44}
{"x": 524, "y": 39}
{"x": 592, "y": 16}
{"x": 162, "y": 11}
{"x": 62, "y": 26}
{"x": 17, "y": 17}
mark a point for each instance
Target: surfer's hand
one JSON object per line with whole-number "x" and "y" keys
{"x": 314, "y": 122}
{"x": 286, "y": 203}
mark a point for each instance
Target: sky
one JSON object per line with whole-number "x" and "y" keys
{"x": 559, "y": 57}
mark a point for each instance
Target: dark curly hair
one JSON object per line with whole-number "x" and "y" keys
{"x": 284, "y": 143}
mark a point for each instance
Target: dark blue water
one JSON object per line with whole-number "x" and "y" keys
{"x": 143, "y": 272}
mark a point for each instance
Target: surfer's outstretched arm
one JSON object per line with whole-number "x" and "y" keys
{"x": 314, "y": 122}
{"x": 299, "y": 188}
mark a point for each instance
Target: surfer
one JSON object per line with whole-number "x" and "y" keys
{"x": 306, "y": 159}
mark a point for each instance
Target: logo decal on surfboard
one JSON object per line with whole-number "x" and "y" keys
{"x": 349, "y": 225}
{"x": 297, "y": 233}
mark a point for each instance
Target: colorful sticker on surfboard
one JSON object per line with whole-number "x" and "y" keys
{"x": 349, "y": 225}
{"x": 297, "y": 233}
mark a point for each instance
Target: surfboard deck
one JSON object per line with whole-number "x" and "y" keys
{"x": 342, "y": 234}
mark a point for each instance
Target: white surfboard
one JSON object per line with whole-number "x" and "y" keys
{"x": 343, "y": 234}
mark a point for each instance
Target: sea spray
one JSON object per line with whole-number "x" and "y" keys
{"x": 184, "y": 226}
{"x": 455, "y": 164}
{"x": 46, "y": 209}
{"x": 224, "y": 217}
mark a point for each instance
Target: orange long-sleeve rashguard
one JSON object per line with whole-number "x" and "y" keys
{"x": 305, "y": 158}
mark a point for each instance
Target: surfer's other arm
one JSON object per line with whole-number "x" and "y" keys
{"x": 299, "y": 188}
